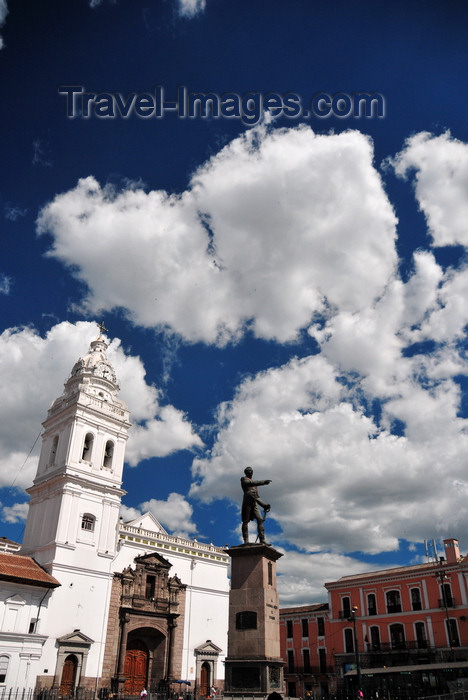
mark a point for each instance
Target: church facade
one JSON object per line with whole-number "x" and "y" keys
{"x": 136, "y": 607}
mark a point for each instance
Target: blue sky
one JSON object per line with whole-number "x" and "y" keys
{"x": 289, "y": 294}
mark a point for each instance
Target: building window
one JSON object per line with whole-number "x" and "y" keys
{"x": 349, "y": 640}
{"x": 246, "y": 620}
{"x": 87, "y": 447}
{"x": 88, "y": 522}
{"x": 289, "y": 629}
{"x": 416, "y": 599}
{"x": 375, "y": 638}
{"x": 393, "y": 602}
{"x": 452, "y": 632}
{"x": 305, "y": 628}
{"x": 397, "y": 636}
{"x": 345, "y": 607}
{"x": 371, "y": 604}
{"x": 290, "y": 661}
{"x": 447, "y": 599}
{"x": 420, "y": 634}
{"x": 4, "y": 661}
{"x": 306, "y": 660}
{"x": 322, "y": 659}
{"x": 320, "y": 627}
{"x": 108, "y": 455}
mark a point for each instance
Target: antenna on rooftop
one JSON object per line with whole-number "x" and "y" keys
{"x": 430, "y": 550}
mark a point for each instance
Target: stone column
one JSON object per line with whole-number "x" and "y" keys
{"x": 253, "y": 665}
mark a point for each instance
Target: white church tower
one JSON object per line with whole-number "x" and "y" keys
{"x": 72, "y": 525}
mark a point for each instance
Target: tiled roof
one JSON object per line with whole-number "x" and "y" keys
{"x": 15, "y": 567}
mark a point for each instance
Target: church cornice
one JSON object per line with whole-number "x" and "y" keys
{"x": 64, "y": 481}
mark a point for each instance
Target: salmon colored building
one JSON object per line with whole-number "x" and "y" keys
{"x": 387, "y": 632}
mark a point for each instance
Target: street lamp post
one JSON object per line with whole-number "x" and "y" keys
{"x": 352, "y": 619}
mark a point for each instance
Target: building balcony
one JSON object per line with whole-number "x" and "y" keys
{"x": 449, "y": 602}
{"x": 410, "y": 655}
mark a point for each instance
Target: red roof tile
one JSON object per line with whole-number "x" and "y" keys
{"x": 15, "y": 567}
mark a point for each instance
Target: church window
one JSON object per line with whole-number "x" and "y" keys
{"x": 88, "y": 447}
{"x": 108, "y": 454}
{"x": 87, "y": 522}
{"x": 53, "y": 451}
{"x": 4, "y": 661}
{"x": 32, "y": 625}
{"x": 150, "y": 587}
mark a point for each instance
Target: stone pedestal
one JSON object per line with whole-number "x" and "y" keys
{"x": 253, "y": 664}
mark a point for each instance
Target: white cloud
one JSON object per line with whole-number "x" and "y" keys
{"x": 280, "y": 231}
{"x": 175, "y": 514}
{"x": 278, "y": 226}
{"x": 32, "y": 372}
{"x": 5, "y": 284}
{"x": 16, "y": 513}
{"x": 440, "y": 164}
{"x": 3, "y": 14}
{"x": 190, "y": 8}
{"x": 301, "y": 577}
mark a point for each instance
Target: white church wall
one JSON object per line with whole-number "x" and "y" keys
{"x": 21, "y": 645}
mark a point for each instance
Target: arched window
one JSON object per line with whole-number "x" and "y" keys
{"x": 416, "y": 599}
{"x": 371, "y": 604}
{"x": 393, "y": 602}
{"x": 446, "y": 593}
{"x": 88, "y": 447}
{"x": 349, "y": 640}
{"x": 4, "y": 661}
{"x": 397, "y": 636}
{"x": 375, "y": 638}
{"x": 345, "y": 607}
{"x": 88, "y": 522}
{"x": 108, "y": 455}
{"x": 53, "y": 451}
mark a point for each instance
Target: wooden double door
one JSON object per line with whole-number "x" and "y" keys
{"x": 136, "y": 668}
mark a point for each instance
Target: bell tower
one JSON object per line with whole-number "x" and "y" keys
{"x": 76, "y": 495}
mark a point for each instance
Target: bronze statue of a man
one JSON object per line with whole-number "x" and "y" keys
{"x": 250, "y": 505}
